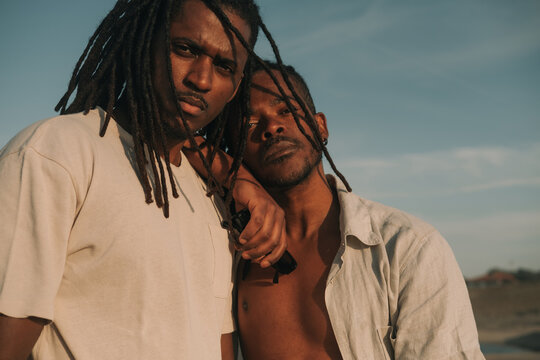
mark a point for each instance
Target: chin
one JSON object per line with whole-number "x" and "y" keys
{"x": 289, "y": 180}
{"x": 174, "y": 132}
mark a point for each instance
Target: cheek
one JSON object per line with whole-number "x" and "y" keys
{"x": 250, "y": 157}
{"x": 177, "y": 69}
{"x": 224, "y": 89}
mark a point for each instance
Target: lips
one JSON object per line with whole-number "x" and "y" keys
{"x": 192, "y": 105}
{"x": 275, "y": 152}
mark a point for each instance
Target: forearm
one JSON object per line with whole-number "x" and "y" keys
{"x": 227, "y": 349}
{"x": 264, "y": 236}
{"x": 220, "y": 166}
{"x": 18, "y": 336}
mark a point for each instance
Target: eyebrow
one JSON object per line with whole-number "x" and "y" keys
{"x": 226, "y": 61}
{"x": 218, "y": 58}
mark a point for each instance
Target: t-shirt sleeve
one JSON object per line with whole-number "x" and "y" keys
{"x": 435, "y": 318}
{"x": 38, "y": 205}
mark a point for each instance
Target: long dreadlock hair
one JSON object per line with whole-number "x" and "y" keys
{"x": 238, "y": 120}
{"x": 117, "y": 62}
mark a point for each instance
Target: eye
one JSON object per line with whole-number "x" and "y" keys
{"x": 225, "y": 67}
{"x": 184, "y": 50}
{"x": 252, "y": 123}
{"x": 286, "y": 111}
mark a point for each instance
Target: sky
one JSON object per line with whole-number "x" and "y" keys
{"x": 433, "y": 106}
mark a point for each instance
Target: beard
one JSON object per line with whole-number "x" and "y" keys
{"x": 294, "y": 177}
{"x": 174, "y": 131}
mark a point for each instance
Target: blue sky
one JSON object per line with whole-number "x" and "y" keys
{"x": 433, "y": 106}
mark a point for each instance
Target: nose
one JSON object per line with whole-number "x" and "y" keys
{"x": 199, "y": 76}
{"x": 273, "y": 127}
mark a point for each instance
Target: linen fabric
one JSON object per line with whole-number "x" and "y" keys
{"x": 80, "y": 247}
{"x": 395, "y": 290}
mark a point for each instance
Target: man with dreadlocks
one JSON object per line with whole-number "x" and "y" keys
{"x": 88, "y": 270}
{"x": 372, "y": 282}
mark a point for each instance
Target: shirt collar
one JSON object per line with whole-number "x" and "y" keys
{"x": 354, "y": 218}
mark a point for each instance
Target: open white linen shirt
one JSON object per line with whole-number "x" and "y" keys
{"x": 395, "y": 290}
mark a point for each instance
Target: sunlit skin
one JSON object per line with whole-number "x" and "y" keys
{"x": 289, "y": 320}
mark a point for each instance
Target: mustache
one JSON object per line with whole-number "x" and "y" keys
{"x": 279, "y": 138}
{"x": 192, "y": 97}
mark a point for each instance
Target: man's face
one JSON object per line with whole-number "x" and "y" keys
{"x": 277, "y": 153}
{"x": 207, "y": 67}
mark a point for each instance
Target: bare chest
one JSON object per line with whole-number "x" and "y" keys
{"x": 274, "y": 318}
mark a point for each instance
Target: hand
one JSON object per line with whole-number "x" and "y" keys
{"x": 264, "y": 237}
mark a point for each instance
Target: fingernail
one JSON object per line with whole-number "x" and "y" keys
{"x": 265, "y": 264}
{"x": 246, "y": 256}
{"x": 242, "y": 241}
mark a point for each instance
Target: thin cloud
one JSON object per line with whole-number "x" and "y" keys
{"x": 532, "y": 182}
{"x": 441, "y": 173}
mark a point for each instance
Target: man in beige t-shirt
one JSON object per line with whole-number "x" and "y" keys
{"x": 89, "y": 268}
{"x": 372, "y": 282}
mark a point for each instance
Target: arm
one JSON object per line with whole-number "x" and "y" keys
{"x": 33, "y": 246}
{"x": 227, "y": 352}
{"x": 18, "y": 336}
{"x": 435, "y": 318}
{"x": 264, "y": 236}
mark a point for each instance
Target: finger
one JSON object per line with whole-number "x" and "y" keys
{"x": 267, "y": 246}
{"x": 261, "y": 244}
{"x": 276, "y": 253}
{"x": 259, "y": 215}
{"x": 268, "y": 236}
{"x": 263, "y": 226}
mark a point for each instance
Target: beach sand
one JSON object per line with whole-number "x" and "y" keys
{"x": 509, "y": 315}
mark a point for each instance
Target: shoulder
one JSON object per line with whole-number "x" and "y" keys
{"x": 69, "y": 143}
{"x": 56, "y": 134}
{"x": 402, "y": 235}
{"x": 69, "y": 140}
{"x": 389, "y": 222}
{"x": 405, "y": 236}
{"x": 385, "y": 221}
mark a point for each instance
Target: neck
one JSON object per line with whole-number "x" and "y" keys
{"x": 309, "y": 207}
{"x": 121, "y": 115}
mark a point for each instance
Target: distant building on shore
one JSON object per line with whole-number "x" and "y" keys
{"x": 498, "y": 277}
{"x": 492, "y": 278}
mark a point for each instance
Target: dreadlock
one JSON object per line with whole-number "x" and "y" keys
{"x": 117, "y": 63}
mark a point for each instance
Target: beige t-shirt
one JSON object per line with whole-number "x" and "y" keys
{"x": 79, "y": 246}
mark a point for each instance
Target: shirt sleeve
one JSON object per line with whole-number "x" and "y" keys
{"x": 38, "y": 208}
{"x": 435, "y": 318}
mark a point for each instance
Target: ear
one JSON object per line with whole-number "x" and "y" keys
{"x": 236, "y": 89}
{"x": 320, "y": 118}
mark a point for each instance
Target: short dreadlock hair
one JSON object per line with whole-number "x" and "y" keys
{"x": 117, "y": 63}
{"x": 300, "y": 82}
{"x": 237, "y": 124}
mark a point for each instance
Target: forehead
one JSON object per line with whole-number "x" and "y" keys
{"x": 263, "y": 87}
{"x": 197, "y": 22}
